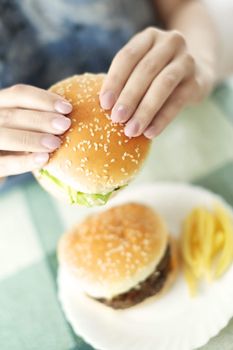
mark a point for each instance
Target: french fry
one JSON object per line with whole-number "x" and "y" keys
{"x": 208, "y": 244}
{"x": 226, "y": 253}
{"x": 218, "y": 242}
{"x": 186, "y": 247}
{"x": 191, "y": 281}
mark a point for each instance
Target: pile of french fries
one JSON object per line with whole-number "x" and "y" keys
{"x": 206, "y": 245}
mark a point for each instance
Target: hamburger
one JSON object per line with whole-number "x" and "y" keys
{"x": 96, "y": 158}
{"x": 120, "y": 257}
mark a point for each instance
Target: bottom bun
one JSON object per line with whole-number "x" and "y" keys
{"x": 50, "y": 187}
{"x": 62, "y": 193}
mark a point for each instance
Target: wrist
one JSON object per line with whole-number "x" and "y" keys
{"x": 206, "y": 73}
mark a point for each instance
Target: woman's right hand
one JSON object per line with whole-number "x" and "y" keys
{"x": 30, "y": 119}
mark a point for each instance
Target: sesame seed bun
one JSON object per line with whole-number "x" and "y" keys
{"x": 111, "y": 252}
{"x": 95, "y": 156}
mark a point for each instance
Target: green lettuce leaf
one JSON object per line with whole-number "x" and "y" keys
{"x": 77, "y": 197}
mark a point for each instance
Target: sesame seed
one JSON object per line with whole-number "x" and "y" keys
{"x": 68, "y": 163}
{"x": 134, "y": 161}
{"x": 107, "y": 116}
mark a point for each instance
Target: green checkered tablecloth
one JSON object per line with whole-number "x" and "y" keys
{"x": 197, "y": 147}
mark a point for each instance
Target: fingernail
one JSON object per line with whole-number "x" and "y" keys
{"x": 119, "y": 113}
{"x": 107, "y": 100}
{"x": 51, "y": 142}
{"x": 132, "y": 129}
{"x": 151, "y": 132}
{"x": 63, "y": 106}
{"x": 61, "y": 123}
{"x": 41, "y": 158}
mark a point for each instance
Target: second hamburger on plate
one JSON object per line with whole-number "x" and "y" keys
{"x": 120, "y": 257}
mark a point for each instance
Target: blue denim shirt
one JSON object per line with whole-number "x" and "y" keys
{"x": 43, "y": 41}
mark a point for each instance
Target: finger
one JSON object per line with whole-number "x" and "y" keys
{"x": 24, "y": 119}
{"x": 159, "y": 91}
{"x": 30, "y": 97}
{"x": 27, "y": 141}
{"x": 140, "y": 80}
{"x": 178, "y": 100}
{"x": 17, "y": 164}
{"x": 124, "y": 62}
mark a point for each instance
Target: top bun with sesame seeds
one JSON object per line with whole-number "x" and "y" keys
{"x": 120, "y": 257}
{"x": 96, "y": 158}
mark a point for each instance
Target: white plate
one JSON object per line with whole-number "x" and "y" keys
{"x": 175, "y": 321}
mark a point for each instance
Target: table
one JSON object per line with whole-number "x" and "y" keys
{"x": 196, "y": 148}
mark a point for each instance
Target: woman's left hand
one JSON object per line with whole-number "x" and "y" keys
{"x": 151, "y": 79}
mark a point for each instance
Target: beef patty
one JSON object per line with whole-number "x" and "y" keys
{"x": 145, "y": 289}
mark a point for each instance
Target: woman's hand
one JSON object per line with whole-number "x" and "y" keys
{"x": 29, "y": 120}
{"x": 151, "y": 79}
